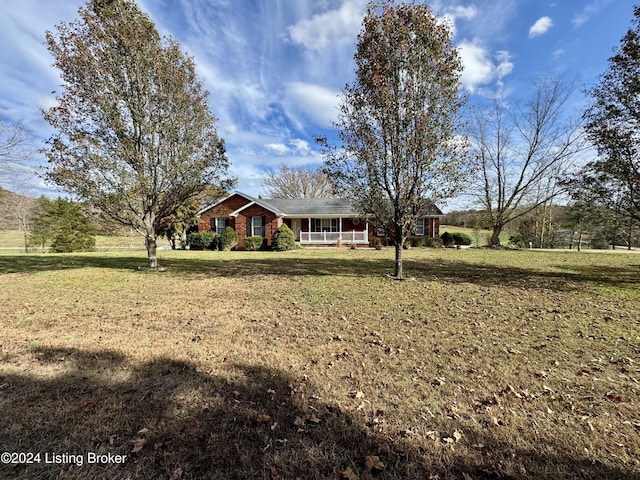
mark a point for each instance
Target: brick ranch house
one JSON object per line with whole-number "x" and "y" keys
{"x": 314, "y": 221}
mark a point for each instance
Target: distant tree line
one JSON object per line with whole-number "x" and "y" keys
{"x": 574, "y": 226}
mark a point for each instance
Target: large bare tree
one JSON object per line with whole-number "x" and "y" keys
{"x": 297, "y": 182}
{"x": 522, "y": 151}
{"x": 17, "y": 210}
{"x": 15, "y": 148}
{"x": 134, "y": 132}
{"x": 398, "y": 119}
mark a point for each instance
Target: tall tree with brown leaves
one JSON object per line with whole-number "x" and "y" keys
{"x": 134, "y": 132}
{"x": 397, "y": 122}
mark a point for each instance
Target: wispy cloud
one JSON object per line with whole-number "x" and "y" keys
{"x": 316, "y": 102}
{"x": 588, "y": 12}
{"x": 332, "y": 27}
{"x": 542, "y": 26}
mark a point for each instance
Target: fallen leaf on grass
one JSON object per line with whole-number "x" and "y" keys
{"x": 138, "y": 443}
{"x": 262, "y": 418}
{"x": 349, "y": 474}
{"x": 274, "y": 473}
{"x": 457, "y": 435}
{"x": 373, "y": 462}
{"x": 613, "y": 397}
{"x": 314, "y": 419}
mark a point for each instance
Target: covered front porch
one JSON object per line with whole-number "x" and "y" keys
{"x": 328, "y": 231}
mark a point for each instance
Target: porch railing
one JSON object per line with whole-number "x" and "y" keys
{"x": 332, "y": 237}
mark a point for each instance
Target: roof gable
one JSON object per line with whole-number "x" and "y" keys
{"x": 250, "y": 201}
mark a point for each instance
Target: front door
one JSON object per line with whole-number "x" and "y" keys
{"x": 296, "y": 225}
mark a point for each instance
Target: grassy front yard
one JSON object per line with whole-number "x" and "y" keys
{"x": 312, "y": 364}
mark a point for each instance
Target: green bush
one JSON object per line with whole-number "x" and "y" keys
{"x": 68, "y": 240}
{"x": 460, "y": 238}
{"x": 517, "y": 240}
{"x": 283, "y": 239}
{"x": 455, "y": 238}
{"x": 431, "y": 242}
{"x": 228, "y": 240}
{"x": 253, "y": 243}
{"x": 375, "y": 242}
{"x": 599, "y": 242}
{"x": 416, "y": 241}
{"x": 202, "y": 240}
{"x": 447, "y": 239}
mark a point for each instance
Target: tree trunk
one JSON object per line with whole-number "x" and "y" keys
{"x": 495, "y": 236}
{"x": 150, "y": 242}
{"x": 397, "y": 273}
{"x": 580, "y": 241}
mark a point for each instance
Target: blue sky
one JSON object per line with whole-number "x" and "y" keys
{"x": 275, "y": 68}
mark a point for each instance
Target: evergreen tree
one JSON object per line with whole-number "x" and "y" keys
{"x": 62, "y": 224}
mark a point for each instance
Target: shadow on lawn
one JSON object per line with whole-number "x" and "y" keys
{"x": 561, "y": 277}
{"x": 247, "y": 423}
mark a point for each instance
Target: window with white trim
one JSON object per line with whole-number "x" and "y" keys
{"x": 421, "y": 227}
{"x": 219, "y": 224}
{"x": 257, "y": 227}
{"x": 324, "y": 224}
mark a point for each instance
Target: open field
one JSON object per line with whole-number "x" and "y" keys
{"x": 14, "y": 240}
{"x": 312, "y": 364}
{"x": 479, "y": 237}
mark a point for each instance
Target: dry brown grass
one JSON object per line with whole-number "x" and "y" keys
{"x": 303, "y": 364}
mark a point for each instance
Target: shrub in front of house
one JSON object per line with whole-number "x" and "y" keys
{"x": 283, "y": 239}
{"x": 456, "y": 238}
{"x": 460, "y": 238}
{"x": 253, "y": 243}
{"x": 416, "y": 241}
{"x": 447, "y": 239}
{"x": 202, "y": 240}
{"x": 375, "y": 242}
{"x": 228, "y": 240}
{"x": 431, "y": 242}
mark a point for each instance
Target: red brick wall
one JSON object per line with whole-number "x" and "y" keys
{"x": 221, "y": 210}
{"x": 239, "y": 223}
{"x": 271, "y": 222}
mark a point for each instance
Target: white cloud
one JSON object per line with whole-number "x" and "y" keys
{"x": 302, "y": 147}
{"x": 278, "y": 148}
{"x": 329, "y": 28}
{"x": 505, "y": 65}
{"x": 480, "y": 68}
{"x": 454, "y": 13}
{"x": 542, "y": 25}
{"x": 318, "y": 103}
